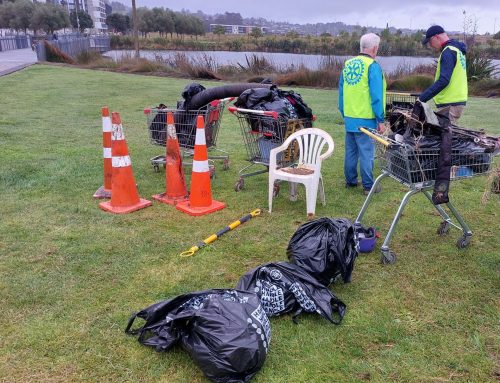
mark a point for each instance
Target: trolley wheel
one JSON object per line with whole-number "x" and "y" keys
{"x": 443, "y": 228}
{"x": 388, "y": 257}
{"x": 240, "y": 184}
{"x": 463, "y": 241}
{"x": 156, "y": 168}
{"x": 276, "y": 190}
{"x": 225, "y": 164}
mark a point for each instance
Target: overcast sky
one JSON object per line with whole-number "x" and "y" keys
{"x": 376, "y": 13}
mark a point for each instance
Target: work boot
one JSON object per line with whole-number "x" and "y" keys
{"x": 378, "y": 189}
{"x": 348, "y": 185}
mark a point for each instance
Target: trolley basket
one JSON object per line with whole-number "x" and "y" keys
{"x": 263, "y": 131}
{"x": 185, "y": 126}
{"x": 417, "y": 168}
{"x": 400, "y": 100}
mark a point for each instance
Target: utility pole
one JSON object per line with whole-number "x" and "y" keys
{"x": 136, "y": 32}
{"x": 76, "y": 12}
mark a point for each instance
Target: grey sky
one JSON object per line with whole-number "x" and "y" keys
{"x": 398, "y": 13}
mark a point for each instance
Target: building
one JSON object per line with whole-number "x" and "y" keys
{"x": 238, "y": 29}
{"x": 97, "y": 11}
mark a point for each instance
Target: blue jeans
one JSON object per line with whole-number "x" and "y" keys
{"x": 358, "y": 146}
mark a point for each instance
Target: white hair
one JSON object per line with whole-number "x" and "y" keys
{"x": 368, "y": 41}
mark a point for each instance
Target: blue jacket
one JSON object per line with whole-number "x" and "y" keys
{"x": 375, "y": 82}
{"x": 448, "y": 61}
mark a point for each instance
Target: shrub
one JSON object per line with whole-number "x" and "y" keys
{"x": 56, "y": 55}
{"x": 485, "y": 87}
{"x": 86, "y": 57}
{"x": 414, "y": 83}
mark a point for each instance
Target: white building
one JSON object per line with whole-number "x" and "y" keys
{"x": 97, "y": 11}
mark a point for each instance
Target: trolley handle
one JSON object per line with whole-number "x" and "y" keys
{"x": 267, "y": 113}
{"x": 389, "y": 145}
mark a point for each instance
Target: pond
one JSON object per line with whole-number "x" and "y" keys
{"x": 280, "y": 60}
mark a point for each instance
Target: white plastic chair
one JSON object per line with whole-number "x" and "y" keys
{"x": 311, "y": 142}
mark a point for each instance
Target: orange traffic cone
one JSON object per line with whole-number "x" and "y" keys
{"x": 124, "y": 196}
{"x": 105, "y": 190}
{"x": 200, "y": 198}
{"x": 176, "y": 190}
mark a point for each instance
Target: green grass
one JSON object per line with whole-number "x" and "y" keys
{"x": 71, "y": 274}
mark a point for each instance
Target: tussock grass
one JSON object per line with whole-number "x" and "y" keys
{"x": 71, "y": 274}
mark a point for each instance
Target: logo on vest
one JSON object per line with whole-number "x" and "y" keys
{"x": 462, "y": 59}
{"x": 353, "y": 71}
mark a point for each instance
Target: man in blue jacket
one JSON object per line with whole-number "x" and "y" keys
{"x": 449, "y": 90}
{"x": 362, "y": 104}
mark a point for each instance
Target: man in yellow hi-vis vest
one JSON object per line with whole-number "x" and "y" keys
{"x": 449, "y": 90}
{"x": 362, "y": 104}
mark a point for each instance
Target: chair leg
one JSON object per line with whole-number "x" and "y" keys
{"x": 271, "y": 192}
{"x": 311, "y": 196}
{"x": 322, "y": 191}
{"x": 293, "y": 191}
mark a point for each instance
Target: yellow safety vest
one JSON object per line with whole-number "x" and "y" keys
{"x": 456, "y": 90}
{"x": 357, "y": 100}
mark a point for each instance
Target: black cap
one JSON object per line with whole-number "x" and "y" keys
{"x": 432, "y": 31}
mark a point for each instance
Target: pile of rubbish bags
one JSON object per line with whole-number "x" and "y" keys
{"x": 227, "y": 331}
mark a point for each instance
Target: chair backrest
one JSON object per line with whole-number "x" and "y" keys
{"x": 311, "y": 142}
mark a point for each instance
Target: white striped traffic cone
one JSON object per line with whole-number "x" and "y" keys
{"x": 105, "y": 190}
{"x": 200, "y": 197}
{"x": 124, "y": 195}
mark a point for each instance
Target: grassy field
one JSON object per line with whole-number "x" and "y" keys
{"x": 71, "y": 274}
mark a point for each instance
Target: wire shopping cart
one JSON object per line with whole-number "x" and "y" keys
{"x": 417, "y": 169}
{"x": 263, "y": 131}
{"x": 185, "y": 126}
{"x": 400, "y": 100}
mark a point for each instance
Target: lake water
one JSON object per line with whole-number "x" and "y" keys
{"x": 281, "y": 60}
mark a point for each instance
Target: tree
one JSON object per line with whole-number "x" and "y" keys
{"x": 197, "y": 27}
{"x": 7, "y": 14}
{"x": 23, "y": 12}
{"x": 118, "y": 22}
{"x": 256, "y": 32}
{"x": 49, "y": 18}
{"x": 145, "y": 20}
{"x": 219, "y": 30}
{"x": 84, "y": 20}
{"x": 162, "y": 21}
{"x": 496, "y": 36}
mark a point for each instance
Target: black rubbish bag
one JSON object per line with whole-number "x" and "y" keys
{"x": 226, "y": 332}
{"x": 284, "y": 287}
{"x": 325, "y": 248}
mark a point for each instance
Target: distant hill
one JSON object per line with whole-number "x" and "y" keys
{"x": 118, "y": 7}
{"x": 276, "y": 27}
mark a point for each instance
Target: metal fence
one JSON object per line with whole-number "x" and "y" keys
{"x": 14, "y": 42}
{"x": 73, "y": 47}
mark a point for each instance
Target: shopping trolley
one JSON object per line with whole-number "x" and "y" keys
{"x": 400, "y": 100}
{"x": 185, "y": 126}
{"x": 263, "y": 131}
{"x": 417, "y": 169}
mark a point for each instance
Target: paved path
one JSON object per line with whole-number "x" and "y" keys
{"x": 14, "y": 60}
